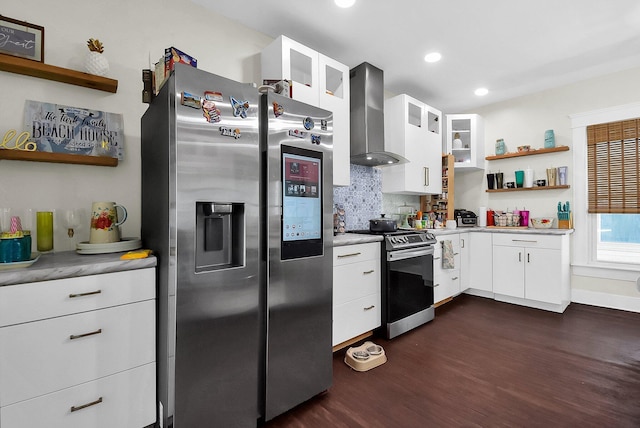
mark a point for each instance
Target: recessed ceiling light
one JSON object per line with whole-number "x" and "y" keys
{"x": 345, "y": 3}
{"x": 433, "y": 57}
{"x": 481, "y": 92}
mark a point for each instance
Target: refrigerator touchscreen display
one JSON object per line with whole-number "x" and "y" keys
{"x": 301, "y": 202}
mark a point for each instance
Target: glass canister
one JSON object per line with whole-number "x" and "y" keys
{"x": 501, "y": 148}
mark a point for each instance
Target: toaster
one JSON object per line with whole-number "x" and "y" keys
{"x": 465, "y": 218}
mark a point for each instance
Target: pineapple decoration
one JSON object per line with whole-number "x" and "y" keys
{"x": 95, "y": 62}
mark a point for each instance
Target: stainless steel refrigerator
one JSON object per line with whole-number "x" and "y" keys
{"x": 236, "y": 205}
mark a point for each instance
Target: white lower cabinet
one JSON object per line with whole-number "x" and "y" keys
{"x": 112, "y": 401}
{"x": 356, "y": 290}
{"x": 83, "y": 356}
{"x": 532, "y": 270}
{"x": 480, "y": 278}
{"x": 446, "y": 280}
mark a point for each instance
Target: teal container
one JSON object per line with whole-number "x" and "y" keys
{"x": 500, "y": 147}
{"x": 26, "y": 246}
{"x": 15, "y": 249}
{"x": 6, "y": 250}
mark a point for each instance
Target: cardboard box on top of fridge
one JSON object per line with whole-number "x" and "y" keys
{"x": 165, "y": 64}
{"x": 173, "y": 55}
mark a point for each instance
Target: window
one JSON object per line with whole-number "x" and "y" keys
{"x": 618, "y": 238}
{"x": 613, "y": 165}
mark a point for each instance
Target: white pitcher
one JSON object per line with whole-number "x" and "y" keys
{"x": 105, "y": 223}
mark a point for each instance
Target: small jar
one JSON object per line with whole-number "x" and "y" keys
{"x": 500, "y": 147}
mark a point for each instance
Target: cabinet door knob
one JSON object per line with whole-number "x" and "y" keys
{"x": 454, "y": 278}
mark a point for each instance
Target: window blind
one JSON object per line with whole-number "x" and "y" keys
{"x": 613, "y": 167}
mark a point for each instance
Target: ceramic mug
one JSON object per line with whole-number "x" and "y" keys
{"x": 105, "y": 223}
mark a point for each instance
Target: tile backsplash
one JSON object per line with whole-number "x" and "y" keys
{"x": 363, "y": 199}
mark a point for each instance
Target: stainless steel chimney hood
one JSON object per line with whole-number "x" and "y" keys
{"x": 367, "y": 118}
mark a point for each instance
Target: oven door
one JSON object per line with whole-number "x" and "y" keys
{"x": 409, "y": 289}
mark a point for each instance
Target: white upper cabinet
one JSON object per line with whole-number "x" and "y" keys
{"x": 319, "y": 81}
{"x": 413, "y": 130}
{"x": 465, "y": 141}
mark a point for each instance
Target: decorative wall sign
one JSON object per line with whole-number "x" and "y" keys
{"x": 72, "y": 130}
{"x": 19, "y": 38}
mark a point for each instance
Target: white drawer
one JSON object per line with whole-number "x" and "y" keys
{"x": 40, "y": 357}
{"x": 128, "y": 401}
{"x": 531, "y": 241}
{"x": 356, "y": 253}
{"x": 38, "y": 300}
{"x": 356, "y": 317}
{"x": 355, "y": 280}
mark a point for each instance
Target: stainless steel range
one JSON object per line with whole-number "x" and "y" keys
{"x": 407, "y": 280}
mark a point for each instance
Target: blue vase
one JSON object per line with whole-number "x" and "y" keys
{"x": 549, "y": 139}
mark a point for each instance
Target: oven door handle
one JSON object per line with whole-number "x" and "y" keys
{"x": 410, "y": 253}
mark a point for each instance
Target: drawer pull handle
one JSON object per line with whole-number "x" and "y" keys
{"x": 368, "y": 308}
{"x": 454, "y": 278}
{"x": 91, "y": 333}
{"x": 367, "y": 272}
{"x": 436, "y": 258}
{"x": 523, "y": 240}
{"x": 455, "y": 254}
{"x": 85, "y": 294}
{"x": 340, "y": 256}
{"x": 84, "y": 406}
{"x": 436, "y": 285}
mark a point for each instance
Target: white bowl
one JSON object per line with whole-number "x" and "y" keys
{"x": 542, "y": 222}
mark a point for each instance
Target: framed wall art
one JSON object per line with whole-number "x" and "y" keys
{"x": 19, "y": 38}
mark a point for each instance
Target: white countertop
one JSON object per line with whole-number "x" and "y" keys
{"x": 355, "y": 238}
{"x": 529, "y": 230}
{"x": 69, "y": 264}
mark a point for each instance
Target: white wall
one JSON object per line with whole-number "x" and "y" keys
{"x": 523, "y": 121}
{"x": 133, "y": 33}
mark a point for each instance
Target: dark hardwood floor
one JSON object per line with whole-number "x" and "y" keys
{"x": 483, "y": 363}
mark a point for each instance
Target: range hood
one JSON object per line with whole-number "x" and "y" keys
{"x": 367, "y": 118}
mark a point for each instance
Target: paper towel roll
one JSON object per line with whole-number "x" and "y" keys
{"x": 528, "y": 177}
{"x": 482, "y": 217}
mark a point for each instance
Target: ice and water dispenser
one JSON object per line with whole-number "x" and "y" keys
{"x": 220, "y": 235}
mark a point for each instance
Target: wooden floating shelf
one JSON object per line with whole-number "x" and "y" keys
{"x": 529, "y": 153}
{"x": 57, "y": 158}
{"x": 27, "y": 67}
{"x": 519, "y": 189}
